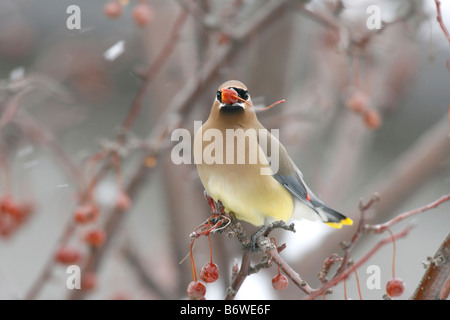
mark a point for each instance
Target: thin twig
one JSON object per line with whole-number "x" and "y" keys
{"x": 46, "y": 272}
{"x": 136, "y": 262}
{"x": 379, "y": 228}
{"x": 44, "y": 137}
{"x": 152, "y": 71}
{"x": 320, "y": 19}
{"x": 440, "y": 20}
{"x": 356, "y": 236}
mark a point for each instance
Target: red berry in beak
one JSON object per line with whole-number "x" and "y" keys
{"x": 229, "y": 96}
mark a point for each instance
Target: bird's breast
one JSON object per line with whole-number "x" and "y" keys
{"x": 236, "y": 179}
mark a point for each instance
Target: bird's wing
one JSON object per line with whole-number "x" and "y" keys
{"x": 291, "y": 178}
{"x": 288, "y": 174}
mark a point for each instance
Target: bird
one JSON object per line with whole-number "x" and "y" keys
{"x": 241, "y": 188}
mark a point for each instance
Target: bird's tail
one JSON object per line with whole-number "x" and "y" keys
{"x": 333, "y": 218}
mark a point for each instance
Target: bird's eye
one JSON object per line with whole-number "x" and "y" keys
{"x": 219, "y": 96}
{"x": 242, "y": 93}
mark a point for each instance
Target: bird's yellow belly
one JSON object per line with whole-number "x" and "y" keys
{"x": 250, "y": 199}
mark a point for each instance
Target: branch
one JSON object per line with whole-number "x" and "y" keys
{"x": 42, "y": 136}
{"x": 357, "y": 235}
{"x": 440, "y": 20}
{"x": 136, "y": 262}
{"x": 287, "y": 269}
{"x": 435, "y": 282}
{"x": 11, "y": 106}
{"x": 46, "y": 272}
{"x": 379, "y": 228}
{"x": 320, "y": 19}
{"x": 271, "y": 251}
{"x": 152, "y": 71}
{"x": 240, "y": 277}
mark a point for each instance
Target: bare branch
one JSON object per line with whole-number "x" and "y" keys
{"x": 287, "y": 269}
{"x": 435, "y": 282}
{"x": 440, "y": 20}
{"x": 240, "y": 277}
{"x": 379, "y": 228}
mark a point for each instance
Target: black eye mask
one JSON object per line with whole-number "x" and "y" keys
{"x": 241, "y": 92}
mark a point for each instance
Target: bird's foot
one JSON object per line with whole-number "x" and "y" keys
{"x": 260, "y": 241}
{"x": 210, "y": 200}
{"x": 216, "y": 207}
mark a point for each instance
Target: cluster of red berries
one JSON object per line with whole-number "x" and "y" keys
{"x": 88, "y": 213}
{"x": 66, "y": 255}
{"x": 13, "y": 214}
{"x": 142, "y": 12}
{"x": 209, "y": 273}
{"x": 85, "y": 216}
{"x": 358, "y": 102}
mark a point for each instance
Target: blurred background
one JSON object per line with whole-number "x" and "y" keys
{"x": 366, "y": 111}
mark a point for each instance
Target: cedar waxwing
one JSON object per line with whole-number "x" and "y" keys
{"x": 241, "y": 186}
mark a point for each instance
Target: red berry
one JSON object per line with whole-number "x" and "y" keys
{"x": 9, "y": 205}
{"x": 228, "y": 96}
{"x": 372, "y": 119}
{"x": 280, "y": 282}
{"x": 86, "y": 213}
{"x": 209, "y": 272}
{"x": 88, "y": 281}
{"x": 196, "y": 290}
{"x": 67, "y": 255}
{"x": 95, "y": 237}
{"x": 142, "y": 14}
{"x": 123, "y": 202}
{"x": 113, "y": 9}
{"x": 395, "y": 287}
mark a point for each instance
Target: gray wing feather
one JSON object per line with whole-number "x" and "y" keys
{"x": 290, "y": 176}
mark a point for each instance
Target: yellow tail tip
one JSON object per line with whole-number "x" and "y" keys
{"x": 338, "y": 225}
{"x": 347, "y": 221}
